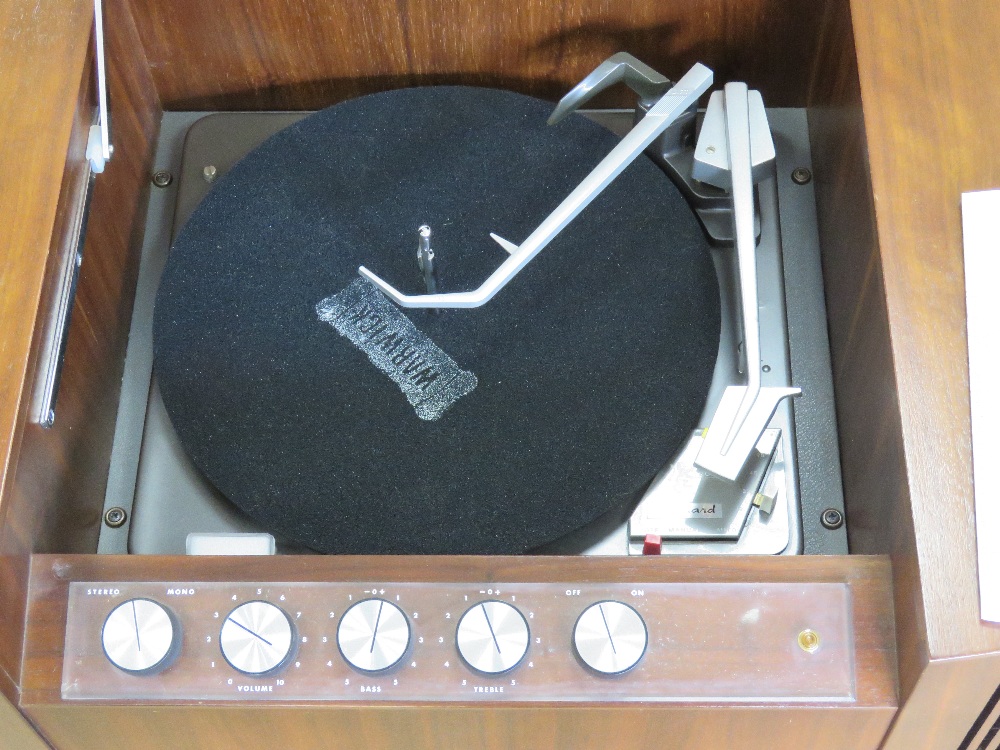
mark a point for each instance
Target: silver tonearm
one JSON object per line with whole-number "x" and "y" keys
{"x": 735, "y": 150}
{"x": 671, "y": 105}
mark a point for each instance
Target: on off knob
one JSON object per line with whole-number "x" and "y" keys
{"x": 141, "y": 637}
{"x": 492, "y": 637}
{"x": 610, "y": 637}
{"x": 257, "y": 638}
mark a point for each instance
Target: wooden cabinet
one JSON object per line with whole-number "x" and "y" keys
{"x": 903, "y": 104}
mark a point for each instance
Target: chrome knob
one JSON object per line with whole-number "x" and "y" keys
{"x": 373, "y": 635}
{"x": 257, "y": 638}
{"x": 140, "y": 636}
{"x": 610, "y": 637}
{"x": 492, "y": 637}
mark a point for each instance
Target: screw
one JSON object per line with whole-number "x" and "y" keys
{"x": 115, "y": 517}
{"x": 832, "y": 518}
{"x": 808, "y": 640}
{"x": 766, "y": 368}
{"x": 162, "y": 178}
{"x": 209, "y": 173}
{"x": 801, "y": 176}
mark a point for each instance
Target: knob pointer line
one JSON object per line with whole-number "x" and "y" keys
{"x": 611, "y": 640}
{"x": 243, "y": 627}
{"x": 375, "y": 630}
{"x": 135, "y": 620}
{"x": 490, "y": 626}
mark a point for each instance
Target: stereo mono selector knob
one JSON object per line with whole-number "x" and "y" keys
{"x": 373, "y": 635}
{"x": 610, "y": 637}
{"x": 257, "y": 638}
{"x": 140, "y": 636}
{"x": 492, "y": 637}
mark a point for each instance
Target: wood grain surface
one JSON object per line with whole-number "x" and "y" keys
{"x": 930, "y": 84}
{"x": 944, "y": 704}
{"x": 876, "y": 492}
{"x": 307, "y": 54}
{"x": 589, "y": 727}
{"x": 37, "y": 118}
{"x": 439, "y": 725}
{"x": 869, "y": 578}
{"x": 932, "y": 108}
{"x": 53, "y": 482}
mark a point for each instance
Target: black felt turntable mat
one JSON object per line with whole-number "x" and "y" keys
{"x": 592, "y": 365}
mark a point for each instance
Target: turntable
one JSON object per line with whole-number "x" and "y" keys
{"x": 882, "y": 647}
{"x": 452, "y": 323}
{"x": 451, "y": 320}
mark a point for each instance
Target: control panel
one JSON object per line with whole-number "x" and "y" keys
{"x": 459, "y": 642}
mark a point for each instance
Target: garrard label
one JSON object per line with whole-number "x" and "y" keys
{"x": 430, "y": 379}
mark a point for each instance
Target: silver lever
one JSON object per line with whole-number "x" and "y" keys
{"x": 734, "y": 143}
{"x": 667, "y": 109}
{"x": 99, "y": 148}
{"x": 619, "y": 68}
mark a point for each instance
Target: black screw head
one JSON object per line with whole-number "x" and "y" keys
{"x": 162, "y": 178}
{"x": 115, "y": 517}
{"x": 801, "y": 176}
{"x": 832, "y": 518}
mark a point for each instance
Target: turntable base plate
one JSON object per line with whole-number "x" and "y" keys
{"x": 590, "y": 368}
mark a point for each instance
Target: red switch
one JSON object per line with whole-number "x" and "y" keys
{"x": 652, "y": 545}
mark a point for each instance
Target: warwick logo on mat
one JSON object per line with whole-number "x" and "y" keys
{"x": 430, "y": 379}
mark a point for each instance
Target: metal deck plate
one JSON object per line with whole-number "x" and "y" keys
{"x": 166, "y": 497}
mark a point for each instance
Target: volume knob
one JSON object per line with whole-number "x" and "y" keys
{"x": 140, "y": 636}
{"x": 257, "y": 638}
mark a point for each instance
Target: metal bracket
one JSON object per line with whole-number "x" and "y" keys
{"x": 620, "y": 68}
{"x": 734, "y": 150}
{"x": 98, "y": 152}
{"x": 675, "y": 102}
{"x": 99, "y": 148}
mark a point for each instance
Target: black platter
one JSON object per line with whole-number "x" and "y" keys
{"x": 591, "y": 367}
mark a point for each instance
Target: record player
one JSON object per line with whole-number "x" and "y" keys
{"x": 503, "y": 524}
{"x": 700, "y": 456}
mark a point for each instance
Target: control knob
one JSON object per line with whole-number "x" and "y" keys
{"x": 141, "y": 637}
{"x": 492, "y": 637}
{"x": 257, "y": 638}
{"x": 610, "y": 637}
{"x": 373, "y": 635}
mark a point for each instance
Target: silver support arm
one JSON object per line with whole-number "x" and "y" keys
{"x": 670, "y": 106}
{"x": 99, "y": 148}
{"x": 744, "y": 411}
{"x": 619, "y": 68}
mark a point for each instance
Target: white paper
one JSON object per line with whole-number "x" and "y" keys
{"x": 981, "y": 237}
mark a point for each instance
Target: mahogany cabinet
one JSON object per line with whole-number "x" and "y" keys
{"x": 902, "y": 97}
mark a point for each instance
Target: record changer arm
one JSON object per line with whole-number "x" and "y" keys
{"x": 684, "y": 94}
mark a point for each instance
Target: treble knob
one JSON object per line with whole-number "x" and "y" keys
{"x": 492, "y": 637}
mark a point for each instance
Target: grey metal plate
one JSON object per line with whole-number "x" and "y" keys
{"x": 166, "y": 497}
